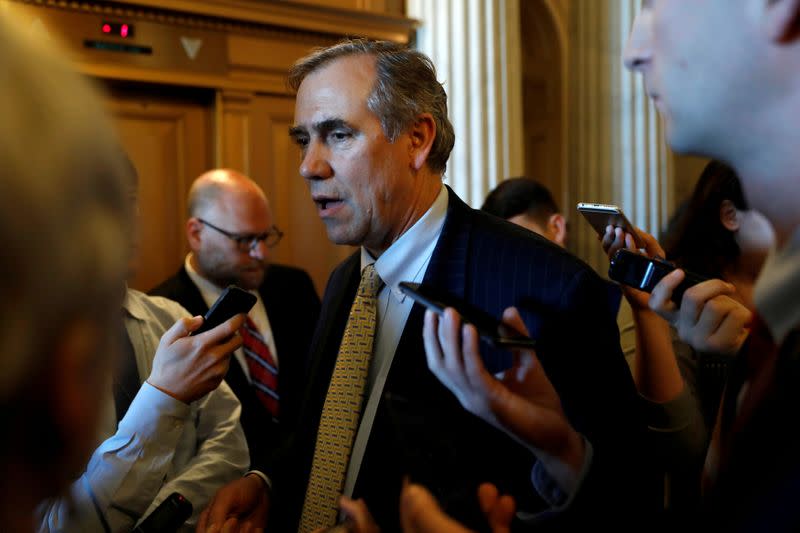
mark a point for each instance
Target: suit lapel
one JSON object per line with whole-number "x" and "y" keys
{"x": 446, "y": 270}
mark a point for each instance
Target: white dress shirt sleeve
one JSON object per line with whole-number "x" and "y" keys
{"x": 125, "y": 472}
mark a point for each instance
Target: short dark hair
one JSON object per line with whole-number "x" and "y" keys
{"x": 521, "y": 195}
{"x": 405, "y": 87}
{"x": 698, "y": 241}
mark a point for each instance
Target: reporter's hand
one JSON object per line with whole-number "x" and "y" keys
{"x": 709, "y": 318}
{"x": 188, "y": 368}
{"x": 358, "y": 515}
{"x": 240, "y": 506}
{"x": 419, "y": 512}
{"x": 523, "y": 402}
{"x": 615, "y": 239}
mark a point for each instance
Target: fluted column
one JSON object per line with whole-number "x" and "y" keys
{"x": 475, "y": 47}
{"x": 616, "y": 150}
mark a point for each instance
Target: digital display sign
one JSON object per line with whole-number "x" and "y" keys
{"x": 117, "y": 29}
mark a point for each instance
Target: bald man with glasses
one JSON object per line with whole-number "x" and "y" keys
{"x": 230, "y": 231}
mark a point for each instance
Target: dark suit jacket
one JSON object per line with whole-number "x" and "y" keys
{"x": 421, "y": 430}
{"x": 292, "y": 305}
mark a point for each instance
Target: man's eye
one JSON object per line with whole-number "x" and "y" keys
{"x": 340, "y": 135}
{"x": 301, "y": 141}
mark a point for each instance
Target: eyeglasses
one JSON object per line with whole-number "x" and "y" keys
{"x": 248, "y": 241}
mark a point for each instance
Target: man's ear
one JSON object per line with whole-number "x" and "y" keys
{"x": 729, "y": 215}
{"x": 557, "y": 226}
{"x": 782, "y": 22}
{"x": 422, "y": 134}
{"x": 193, "y": 227}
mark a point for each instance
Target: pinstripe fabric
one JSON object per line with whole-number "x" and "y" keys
{"x": 261, "y": 364}
{"x": 342, "y": 409}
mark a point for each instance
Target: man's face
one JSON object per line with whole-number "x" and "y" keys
{"x": 219, "y": 258}
{"x": 361, "y": 183}
{"x": 694, "y": 58}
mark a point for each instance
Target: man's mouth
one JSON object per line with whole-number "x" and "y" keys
{"x": 326, "y": 204}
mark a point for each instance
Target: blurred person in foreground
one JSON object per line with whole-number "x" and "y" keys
{"x": 64, "y": 215}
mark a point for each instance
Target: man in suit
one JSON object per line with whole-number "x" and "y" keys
{"x": 230, "y": 231}
{"x": 371, "y": 122}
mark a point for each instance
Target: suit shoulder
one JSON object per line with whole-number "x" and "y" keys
{"x": 533, "y": 246}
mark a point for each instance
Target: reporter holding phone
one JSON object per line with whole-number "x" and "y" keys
{"x": 680, "y": 372}
{"x": 170, "y": 425}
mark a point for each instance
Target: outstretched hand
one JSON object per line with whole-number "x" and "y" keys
{"x": 420, "y": 513}
{"x": 241, "y": 506}
{"x": 523, "y": 402}
{"x": 615, "y": 239}
{"x": 709, "y": 318}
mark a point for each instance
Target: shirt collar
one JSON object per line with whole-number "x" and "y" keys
{"x": 133, "y": 305}
{"x": 406, "y": 258}
{"x": 777, "y": 290}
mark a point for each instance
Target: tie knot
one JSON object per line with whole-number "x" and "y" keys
{"x": 371, "y": 282}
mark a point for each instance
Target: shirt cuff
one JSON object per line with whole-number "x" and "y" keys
{"x": 153, "y": 411}
{"x": 556, "y": 493}
{"x": 674, "y": 415}
{"x": 267, "y": 481}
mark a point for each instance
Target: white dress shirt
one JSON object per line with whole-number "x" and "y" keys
{"x": 161, "y": 445}
{"x": 405, "y": 260}
{"x": 258, "y": 314}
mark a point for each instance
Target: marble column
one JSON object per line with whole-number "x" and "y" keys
{"x": 476, "y": 49}
{"x": 616, "y": 150}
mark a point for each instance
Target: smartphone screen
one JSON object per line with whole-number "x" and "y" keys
{"x": 643, "y": 273}
{"x": 492, "y": 330}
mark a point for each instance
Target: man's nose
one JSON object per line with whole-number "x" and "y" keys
{"x": 315, "y": 163}
{"x": 638, "y": 49}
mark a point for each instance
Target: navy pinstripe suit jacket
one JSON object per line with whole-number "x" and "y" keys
{"x": 421, "y": 430}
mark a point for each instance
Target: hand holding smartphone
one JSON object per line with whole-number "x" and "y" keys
{"x": 643, "y": 273}
{"x": 601, "y": 216}
{"x": 492, "y": 330}
{"x": 231, "y": 302}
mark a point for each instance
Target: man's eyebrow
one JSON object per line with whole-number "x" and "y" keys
{"x": 297, "y": 131}
{"x": 321, "y": 126}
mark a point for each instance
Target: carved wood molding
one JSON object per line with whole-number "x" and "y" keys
{"x": 263, "y": 18}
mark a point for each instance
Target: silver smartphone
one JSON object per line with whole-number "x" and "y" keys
{"x": 602, "y": 215}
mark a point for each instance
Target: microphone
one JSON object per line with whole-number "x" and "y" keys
{"x": 167, "y": 517}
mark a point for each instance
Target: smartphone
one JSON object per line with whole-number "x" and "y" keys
{"x": 231, "y": 302}
{"x": 492, "y": 330}
{"x": 168, "y": 517}
{"x": 602, "y": 215}
{"x": 643, "y": 273}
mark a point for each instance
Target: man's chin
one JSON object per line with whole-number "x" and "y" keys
{"x": 251, "y": 280}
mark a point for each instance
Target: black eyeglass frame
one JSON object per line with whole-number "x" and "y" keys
{"x": 248, "y": 241}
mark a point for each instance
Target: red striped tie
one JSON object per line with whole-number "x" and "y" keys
{"x": 263, "y": 370}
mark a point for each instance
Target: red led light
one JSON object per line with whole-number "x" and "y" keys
{"x": 106, "y": 28}
{"x": 124, "y": 30}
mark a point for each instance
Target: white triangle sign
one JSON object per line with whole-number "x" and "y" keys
{"x": 191, "y": 46}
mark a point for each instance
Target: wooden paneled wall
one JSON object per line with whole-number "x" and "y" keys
{"x": 201, "y": 84}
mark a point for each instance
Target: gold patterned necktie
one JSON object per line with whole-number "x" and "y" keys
{"x": 342, "y": 410}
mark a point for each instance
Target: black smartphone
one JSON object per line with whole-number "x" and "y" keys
{"x": 232, "y": 301}
{"x": 168, "y": 517}
{"x": 643, "y": 273}
{"x": 492, "y": 330}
